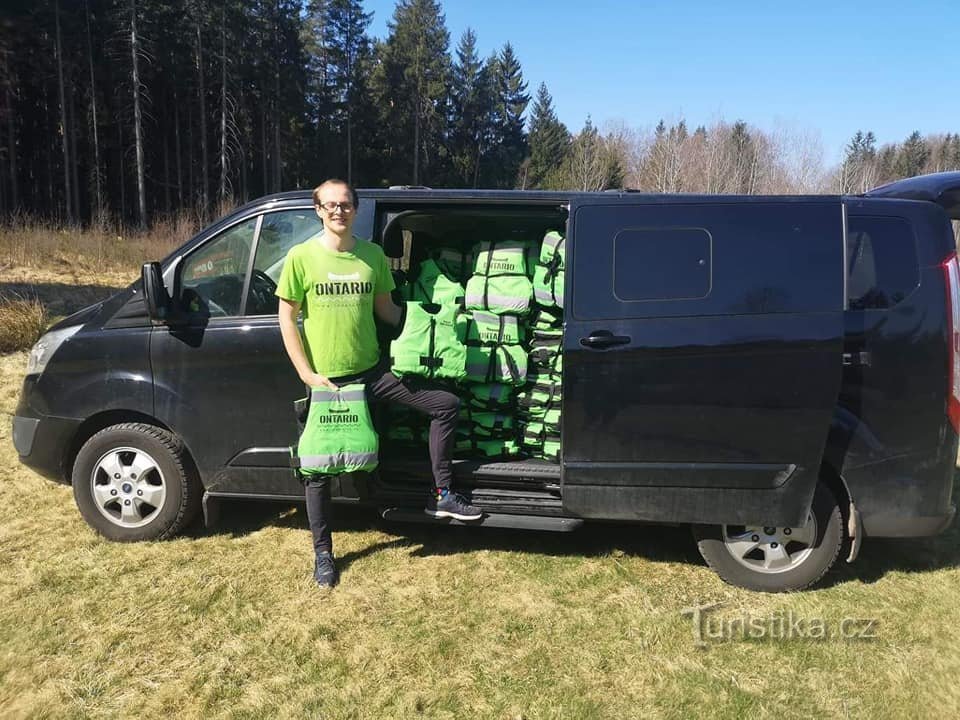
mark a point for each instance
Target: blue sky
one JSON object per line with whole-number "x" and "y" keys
{"x": 828, "y": 67}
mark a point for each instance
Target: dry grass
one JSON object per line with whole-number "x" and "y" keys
{"x": 35, "y": 244}
{"x": 22, "y": 321}
{"x": 439, "y": 623}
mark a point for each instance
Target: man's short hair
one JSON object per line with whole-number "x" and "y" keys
{"x": 354, "y": 198}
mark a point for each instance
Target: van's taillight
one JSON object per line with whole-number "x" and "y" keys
{"x": 951, "y": 273}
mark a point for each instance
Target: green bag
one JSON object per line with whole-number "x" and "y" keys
{"x": 432, "y": 285}
{"x": 428, "y": 345}
{"x": 339, "y": 436}
{"x": 548, "y": 276}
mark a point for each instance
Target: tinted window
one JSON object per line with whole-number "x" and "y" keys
{"x": 661, "y": 264}
{"x": 279, "y": 232}
{"x": 212, "y": 277}
{"x": 689, "y": 259}
{"x": 882, "y": 265}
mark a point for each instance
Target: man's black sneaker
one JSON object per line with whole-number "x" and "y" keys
{"x": 325, "y": 571}
{"x": 452, "y": 506}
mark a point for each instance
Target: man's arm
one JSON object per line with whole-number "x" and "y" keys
{"x": 287, "y": 314}
{"x": 386, "y": 310}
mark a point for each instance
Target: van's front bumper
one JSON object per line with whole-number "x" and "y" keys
{"x": 43, "y": 441}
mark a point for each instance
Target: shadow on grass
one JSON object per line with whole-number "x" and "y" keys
{"x": 653, "y": 542}
{"x": 59, "y": 299}
{"x": 657, "y": 543}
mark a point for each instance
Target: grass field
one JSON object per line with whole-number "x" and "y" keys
{"x": 442, "y": 622}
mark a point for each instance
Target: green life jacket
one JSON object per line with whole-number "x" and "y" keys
{"x": 428, "y": 345}
{"x": 548, "y": 275}
{"x": 494, "y": 397}
{"x": 432, "y": 285}
{"x": 501, "y": 280}
{"x": 454, "y": 263}
{"x": 546, "y": 355}
{"x": 489, "y": 425}
{"x": 539, "y": 397}
{"x": 545, "y": 324}
{"x": 494, "y": 354}
{"x": 338, "y": 436}
{"x": 471, "y": 447}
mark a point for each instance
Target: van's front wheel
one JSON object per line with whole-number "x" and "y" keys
{"x": 776, "y": 559}
{"x": 131, "y": 482}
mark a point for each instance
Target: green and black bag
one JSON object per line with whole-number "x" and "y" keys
{"x": 428, "y": 344}
{"x": 339, "y": 436}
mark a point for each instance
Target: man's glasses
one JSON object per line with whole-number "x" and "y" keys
{"x": 345, "y": 207}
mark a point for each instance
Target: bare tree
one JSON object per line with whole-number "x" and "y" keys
{"x": 137, "y": 116}
{"x": 63, "y": 114}
{"x": 98, "y": 194}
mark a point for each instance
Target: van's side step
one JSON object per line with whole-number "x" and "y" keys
{"x": 521, "y": 522}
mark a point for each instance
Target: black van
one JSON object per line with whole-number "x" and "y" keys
{"x": 781, "y": 373}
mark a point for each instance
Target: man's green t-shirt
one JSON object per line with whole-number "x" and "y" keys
{"x": 336, "y": 291}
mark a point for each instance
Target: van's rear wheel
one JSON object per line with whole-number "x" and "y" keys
{"x": 776, "y": 559}
{"x": 131, "y": 483}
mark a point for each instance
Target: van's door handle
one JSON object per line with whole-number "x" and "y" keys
{"x": 601, "y": 339}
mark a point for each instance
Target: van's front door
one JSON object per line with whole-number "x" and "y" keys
{"x": 223, "y": 381}
{"x": 703, "y": 355}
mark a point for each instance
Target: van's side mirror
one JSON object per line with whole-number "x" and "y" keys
{"x": 154, "y": 293}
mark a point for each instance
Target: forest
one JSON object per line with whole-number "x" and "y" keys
{"x": 122, "y": 112}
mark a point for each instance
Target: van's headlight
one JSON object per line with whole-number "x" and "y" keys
{"x": 46, "y": 346}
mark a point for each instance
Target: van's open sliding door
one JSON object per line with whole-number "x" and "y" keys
{"x": 703, "y": 355}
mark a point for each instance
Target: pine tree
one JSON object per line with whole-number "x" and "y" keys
{"x": 413, "y": 93}
{"x": 471, "y": 121}
{"x": 912, "y": 157}
{"x": 512, "y": 101}
{"x": 549, "y": 142}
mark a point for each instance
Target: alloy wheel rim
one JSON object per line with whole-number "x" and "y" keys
{"x": 128, "y": 487}
{"x": 770, "y": 550}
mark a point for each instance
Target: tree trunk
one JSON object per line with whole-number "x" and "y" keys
{"x": 263, "y": 146}
{"x": 204, "y": 174}
{"x": 137, "y": 117}
{"x": 277, "y": 177}
{"x": 63, "y": 115}
{"x": 223, "y": 104}
{"x": 166, "y": 174}
{"x": 176, "y": 148}
{"x": 98, "y": 192}
{"x": 123, "y": 179}
{"x": 12, "y": 144}
{"x": 74, "y": 161}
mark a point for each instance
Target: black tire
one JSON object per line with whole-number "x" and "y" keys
{"x": 168, "y": 480}
{"x": 716, "y": 545}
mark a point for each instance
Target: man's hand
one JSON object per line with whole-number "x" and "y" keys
{"x": 318, "y": 380}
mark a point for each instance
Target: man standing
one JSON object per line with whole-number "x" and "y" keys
{"x": 340, "y": 346}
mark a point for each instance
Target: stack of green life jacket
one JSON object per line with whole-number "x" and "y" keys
{"x": 539, "y": 403}
{"x": 428, "y": 345}
{"x": 338, "y": 436}
{"x": 501, "y": 281}
{"x": 494, "y": 350}
{"x": 548, "y": 275}
{"x": 486, "y": 434}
